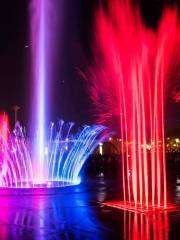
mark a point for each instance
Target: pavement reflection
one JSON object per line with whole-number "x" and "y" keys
{"x": 76, "y": 213}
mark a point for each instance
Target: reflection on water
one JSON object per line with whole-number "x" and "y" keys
{"x": 62, "y": 216}
{"x": 76, "y": 213}
{"x": 145, "y": 227}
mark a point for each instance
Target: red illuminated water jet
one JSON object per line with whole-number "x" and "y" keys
{"x": 133, "y": 64}
{"x": 4, "y": 126}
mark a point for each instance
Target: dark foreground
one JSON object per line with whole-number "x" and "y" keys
{"x": 76, "y": 213}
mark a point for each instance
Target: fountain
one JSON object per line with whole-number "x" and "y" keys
{"x": 128, "y": 80}
{"x": 40, "y": 161}
{"x": 64, "y": 155}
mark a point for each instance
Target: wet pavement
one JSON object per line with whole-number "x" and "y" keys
{"x": 76, "y": 213}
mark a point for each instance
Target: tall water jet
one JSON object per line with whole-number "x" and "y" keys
{"x": 133, "y": 64}
{"x": 40, "y": 29}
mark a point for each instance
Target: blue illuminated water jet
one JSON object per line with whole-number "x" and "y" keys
{"x": 64, "y": 156}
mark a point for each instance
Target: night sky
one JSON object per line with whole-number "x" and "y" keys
{"x": 74, "y": 37}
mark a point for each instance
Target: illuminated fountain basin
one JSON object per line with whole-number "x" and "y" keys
{"x": 63, "y": 159}
{"x": 139, "y": 208}
{"x": 128, "y": 82}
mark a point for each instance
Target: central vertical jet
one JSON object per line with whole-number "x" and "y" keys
{"x": 39, "y": 39}
{"x": 41, "y": 80}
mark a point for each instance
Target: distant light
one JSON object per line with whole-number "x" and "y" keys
{"x": 26, "y": 46}
{"x": 110, "y": 139}
{"x": 100, "y": 148}
{"x": 177, "y": 140}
